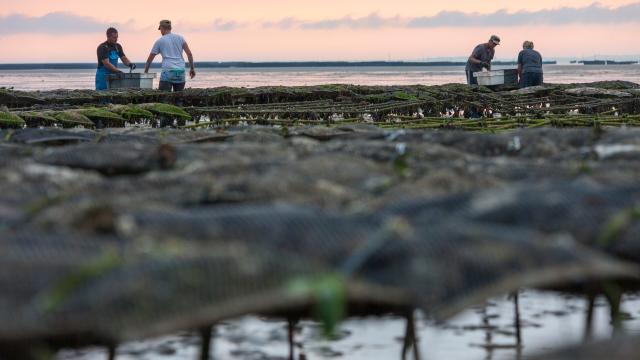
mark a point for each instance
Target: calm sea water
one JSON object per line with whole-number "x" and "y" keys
{"x": 84, "y": 79}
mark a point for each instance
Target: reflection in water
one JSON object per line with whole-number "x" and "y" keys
{"x": 548, "y": 321}
{"x": 489, "y": 345}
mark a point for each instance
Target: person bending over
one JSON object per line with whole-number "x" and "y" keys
{"x": 481, "y": 58}
{"x": 529, "y": 66}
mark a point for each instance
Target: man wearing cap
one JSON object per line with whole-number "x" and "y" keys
{"x": 481, "y": 58}
{"x": 171, "y": 46}
{"x": 108, "y": 54}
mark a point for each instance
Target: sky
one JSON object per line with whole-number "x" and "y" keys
{"x": 320, "y": 30}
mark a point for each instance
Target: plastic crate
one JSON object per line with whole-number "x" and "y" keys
{"x": 131, "y": 81}
{"x": 497, "y": 77}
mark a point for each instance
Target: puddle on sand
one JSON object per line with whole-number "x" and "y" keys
{"x": 549, "y": 321}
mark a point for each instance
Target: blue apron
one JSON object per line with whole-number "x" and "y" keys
{"x": 103, "y": 72}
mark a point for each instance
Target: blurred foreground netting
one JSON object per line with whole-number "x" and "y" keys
{"x": 177, "y": 271}
{"x": 618, "y": 348}
{"x": 121, "y": 234}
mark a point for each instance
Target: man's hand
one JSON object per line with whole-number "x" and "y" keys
{"x": 485, "y": 65}
{"x": 192, "y": 73}
{"x": 148, "y": 63}
{"x": 132, "y": 66}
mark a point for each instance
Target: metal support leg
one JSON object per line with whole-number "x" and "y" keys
{"x": 615, "y": 299}
{"x": 588, "y": 326}
{"x": 291, "y": 327}
{"x": 516, "y": 304}
{"x": 410, "y": 338}
{"x": 112, "y": 351}
{"x": 205, "y": 342}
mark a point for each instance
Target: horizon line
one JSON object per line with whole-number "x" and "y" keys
{"x": 260, "y": 64}
{"x": 426, "y": 61}
{"x": 415, "y": 60}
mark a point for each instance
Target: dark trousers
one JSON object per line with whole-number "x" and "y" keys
{"x": 531, "y": 79}
{"x": 167, "y": 86}
{"x": 470, "y": 79}
{"x": 471, "y": 111}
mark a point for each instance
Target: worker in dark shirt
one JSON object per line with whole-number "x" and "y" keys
{"x": 481, "y": 58}
{"x": 108, "y": 54}
{"x": 530, "y": 66}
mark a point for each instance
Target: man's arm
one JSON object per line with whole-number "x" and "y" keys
{"x": 126, "y": 61}
{"x": 122, "y": 56}
{"x": 109, "y": 66}
{"x": 520, "y": 71}
{"x": 476, "y": 57}
{"x": 540, "y": 58}
{"x": 192, "y": 68}
{"x": 520, "y": 65}
{"x": 474, "y": 60}
{"x": 149, "y": 61}
{"x": 103, "y": 57}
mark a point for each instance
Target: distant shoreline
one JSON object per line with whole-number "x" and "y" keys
{"x": 242, "y": 64}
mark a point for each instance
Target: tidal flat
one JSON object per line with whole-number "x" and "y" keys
{"x": 332, "y": 221}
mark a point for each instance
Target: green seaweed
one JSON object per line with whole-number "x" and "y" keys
{"x": 97, "y": 114}
{"x": 8, "y": 135}
{"x": 9, "y": 120}
{"x": 401, "y": 165}
{"x": 401, "y": 95}
{"x": 41, "y": 204}
{"x": 330, "y": 297}
{"x": 583, "y": 168}
{"x": 131, "y": 112}
{"x": 74, "y": 281}
{"x": 166, "y": 110}
{"x": 37, "y": 118}
{"x": 71, "y": 118}
{"x": 376, "y": 98}
{"x": 13, "y": 97}
{"x": 617, "y": 224}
